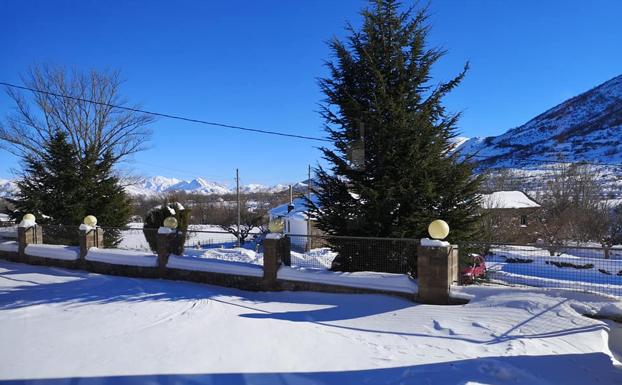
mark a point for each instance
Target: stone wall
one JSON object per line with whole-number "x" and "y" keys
{"x": 274, "y": 254}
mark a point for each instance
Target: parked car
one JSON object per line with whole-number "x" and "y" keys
{"x": 474, "y": 270}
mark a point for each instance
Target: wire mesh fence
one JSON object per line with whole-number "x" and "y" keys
{"x": 388, "y": 255}
{"x": 592, "y": 269}
{"x": 8, "y": 233}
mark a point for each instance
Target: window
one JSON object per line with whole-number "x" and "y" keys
{"x": 523, "y": 220}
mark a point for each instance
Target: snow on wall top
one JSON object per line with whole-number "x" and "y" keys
{"x": 507, "y": 200}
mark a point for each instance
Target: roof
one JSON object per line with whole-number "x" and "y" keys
{"x": 507, "y": 200}
{"x": 299, "y": 211}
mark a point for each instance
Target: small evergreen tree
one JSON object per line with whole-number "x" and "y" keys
{"x": 391, "y": 170}
{"x": 49, "y": 189}
{"x": 155, "y": 219}
{"x": 60, "y": 189}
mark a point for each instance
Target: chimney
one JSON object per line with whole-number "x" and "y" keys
{"x": 290, "y": 206}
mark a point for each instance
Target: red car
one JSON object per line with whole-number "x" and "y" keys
{"x": 475, "y": 269}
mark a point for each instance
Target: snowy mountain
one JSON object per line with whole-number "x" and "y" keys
{"x": 587, "y": 127}
{"x": 7, "y": 188}
{"x": 259, "y": 188}
{"x": 159, "y": 184}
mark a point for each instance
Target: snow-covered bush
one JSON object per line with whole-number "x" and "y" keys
{"x": 155, "y": 218}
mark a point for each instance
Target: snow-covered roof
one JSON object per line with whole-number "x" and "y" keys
{"x": 299, "y": 211}
{"x": 507, "y": 200}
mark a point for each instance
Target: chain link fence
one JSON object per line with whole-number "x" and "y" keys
{"x": 342, "y": 253}
{"x": 592, "y": 269}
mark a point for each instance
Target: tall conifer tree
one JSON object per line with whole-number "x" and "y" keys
{"x": 391, "y": 168}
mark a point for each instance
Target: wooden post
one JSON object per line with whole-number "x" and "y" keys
{"x": 90, "y": 238}
{"x": 26, "y": 236}
{"x": 437, "y": 270}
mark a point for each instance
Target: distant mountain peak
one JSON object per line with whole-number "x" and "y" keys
{"x": 159, "y": 185}
{"x": 587, "y": 127}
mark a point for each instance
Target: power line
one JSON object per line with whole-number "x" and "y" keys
{"x": 169, "y": 116}
{"x": 260, "y": 131}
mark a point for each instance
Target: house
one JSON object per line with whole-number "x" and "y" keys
{"x": 291, "y": 219}
{"x": 292, "y": 216}
{"x": 512, "y": 216}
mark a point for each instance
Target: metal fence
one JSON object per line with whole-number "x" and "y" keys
{"x": 8, "y": 234}
{"x": 568, "y": 267}
{"x": 389, "y": 255}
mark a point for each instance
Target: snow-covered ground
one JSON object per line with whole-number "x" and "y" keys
{"x": 198, "y": 235}
{"x": 62, "y": 327}
{"x": 526, "y": 265}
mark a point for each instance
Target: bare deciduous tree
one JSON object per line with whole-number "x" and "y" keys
{"x": 88, "y": 117}
{"x": 572, "y": 207}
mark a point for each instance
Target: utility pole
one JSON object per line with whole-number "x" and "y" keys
{"x": 237, "y": 191}
{"x": 308, "y": 218}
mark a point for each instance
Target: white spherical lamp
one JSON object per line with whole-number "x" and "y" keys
{"x": 170, "y": 222}
{"x": 28, "y": 218}
{"x": 438, "y": 229}
{"x": 90, "y": 220}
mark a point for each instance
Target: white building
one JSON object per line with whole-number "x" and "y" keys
{"x": 294, "y": 216}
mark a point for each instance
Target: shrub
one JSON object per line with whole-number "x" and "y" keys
{"x": 568, "y": 264}
{"x": 518, "y": 260}
{"x": 154, "y": 219}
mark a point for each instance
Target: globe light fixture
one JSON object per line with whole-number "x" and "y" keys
{"x": 28, "y": 218}
{"x": 438, "y": 229}
{"x": 170, "y": 222}
{"x": 90, "y": 220}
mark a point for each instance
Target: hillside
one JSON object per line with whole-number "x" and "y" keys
{"x": 587, "y": 127}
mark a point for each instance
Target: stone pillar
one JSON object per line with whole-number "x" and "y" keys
{"x": 285, "y": 251}
{"x": 93, "y": 237}
{"x": 26, "y": 236}
{"x": 273, "y": 251}
{"x": 437, "y": 270}
{"x": 164, "y": 250}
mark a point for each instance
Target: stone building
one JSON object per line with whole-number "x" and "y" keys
{"x": 510, "y": 216}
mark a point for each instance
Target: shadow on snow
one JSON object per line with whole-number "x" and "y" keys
{"x": 516, "y": 370}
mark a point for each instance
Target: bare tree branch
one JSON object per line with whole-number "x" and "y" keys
{"x": 90, "y": 127}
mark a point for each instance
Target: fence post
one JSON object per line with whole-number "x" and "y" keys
{"x": 437, "y": 270}
{"x": 90, "y": 237}
{"x": 164, "y": 241}
{"x": 26, "y": 236}
{"x": 273, "y": 251}
{"x": 286, "y": 250}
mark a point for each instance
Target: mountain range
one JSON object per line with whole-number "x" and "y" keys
{"x": 159, "y": 185}
{"x": 587, "y": 127}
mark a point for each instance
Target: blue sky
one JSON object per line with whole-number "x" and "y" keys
{"x": 255, "y": 64}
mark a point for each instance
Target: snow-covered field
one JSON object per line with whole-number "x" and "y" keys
{"x": 198, "y": 235}
{"x": 71, "y": 327}
{"x": 533, "y": 266}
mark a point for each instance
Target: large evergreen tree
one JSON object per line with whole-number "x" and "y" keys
{"x": 391, "y": 168}
{"x": 60, "y": 188}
